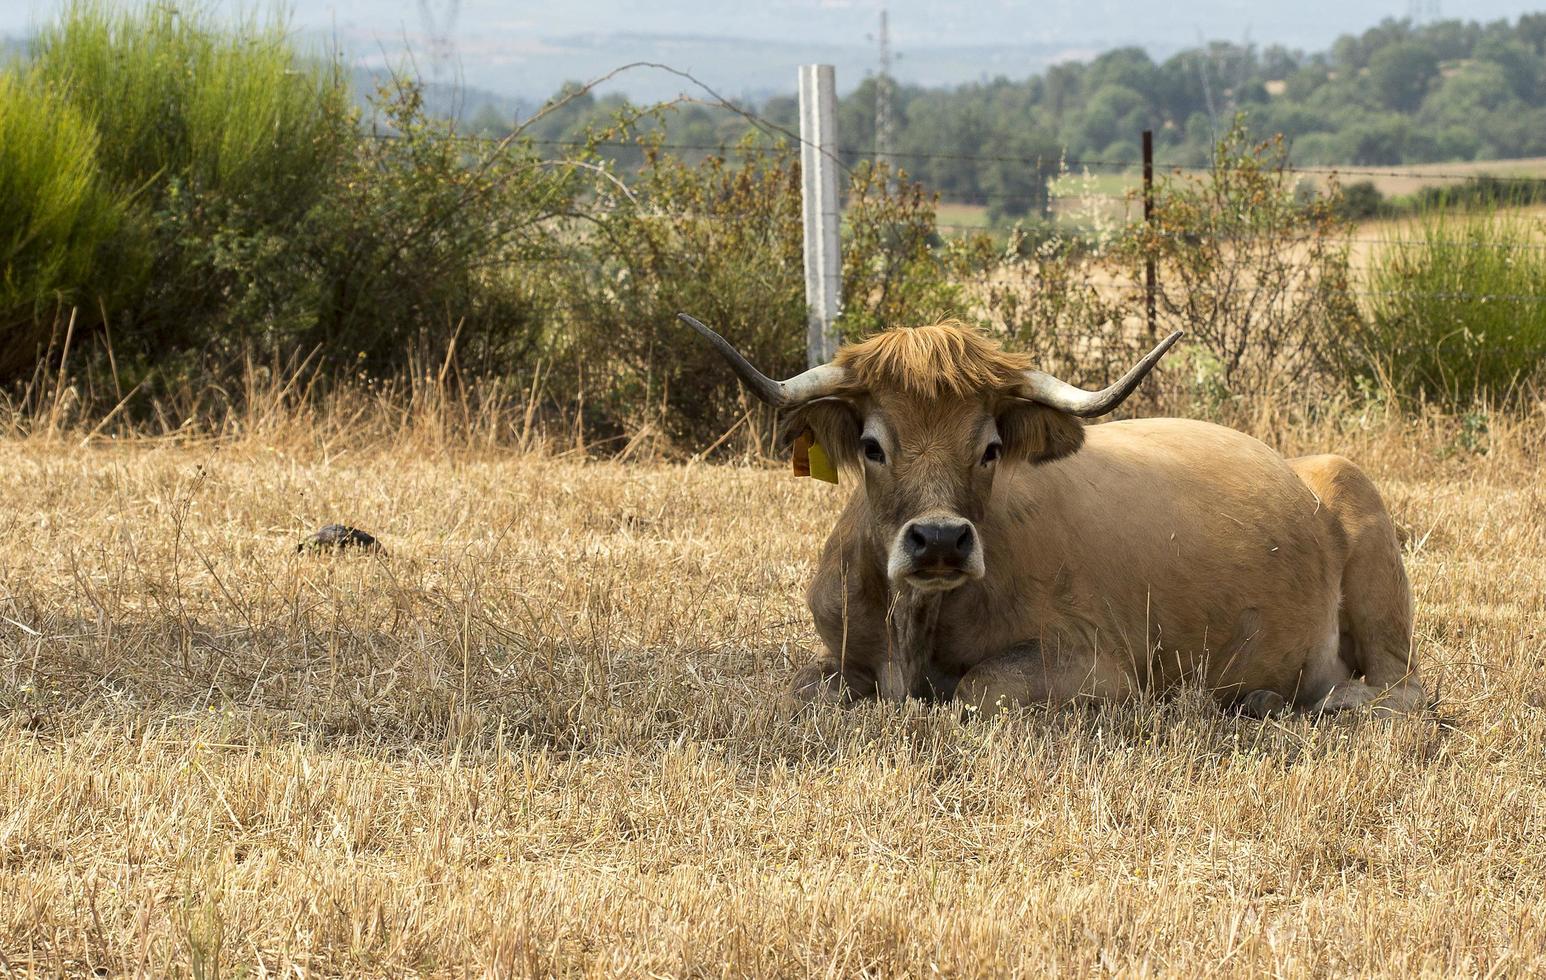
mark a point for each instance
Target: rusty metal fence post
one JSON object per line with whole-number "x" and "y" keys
{"x": 1148, "y": 221}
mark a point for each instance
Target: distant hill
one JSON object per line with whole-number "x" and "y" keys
{"x": 736, "y": 67}
{"x": 751, "y": 50}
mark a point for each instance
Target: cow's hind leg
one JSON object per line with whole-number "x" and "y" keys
{"x": 1026, "y": 676}
{"x": 1376, "y": 610}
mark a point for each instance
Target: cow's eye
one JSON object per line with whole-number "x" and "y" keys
{"x": 992, "y": 452}
{"x": 872, "y": 450}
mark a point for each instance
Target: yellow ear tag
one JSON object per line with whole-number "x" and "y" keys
{"x": 811, "y": 460}
{"x": 821, "y": 466}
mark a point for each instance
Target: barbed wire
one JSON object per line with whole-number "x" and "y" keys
{"x": 1012, "y": 276}
{"x": 1394, "y": 241}
{"x": 1397, "y": 240}
{"x": 1458, "y": 296}
{"x": 1064, "y": 163}
{"x": 1024, "y": 277}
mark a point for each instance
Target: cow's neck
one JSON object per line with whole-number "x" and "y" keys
{"x": 911, "y": 620}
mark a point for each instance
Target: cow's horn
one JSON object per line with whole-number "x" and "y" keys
{"x": 817, "y": 382}
{"x": 1049, "y": 391}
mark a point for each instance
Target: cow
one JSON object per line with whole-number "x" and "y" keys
{"x": 998, "y": 551}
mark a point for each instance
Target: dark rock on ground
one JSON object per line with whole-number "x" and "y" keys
{"x": 339, "y": 537}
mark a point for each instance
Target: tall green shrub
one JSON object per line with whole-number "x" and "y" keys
{"x": 177, "y": 96}
{"x": 61, "y": 229}
{"x": 1457, "y": 307}
{"x": 423, "y": 241}
{"x": 226, "y": 137}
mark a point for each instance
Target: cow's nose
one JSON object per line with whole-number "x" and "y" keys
{"x": 940, "y": 542}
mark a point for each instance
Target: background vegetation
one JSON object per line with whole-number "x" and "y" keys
{"x": 66, "y": 233}
{"x": 1397, "y": 94}
{"x": 1457, "y": 314}
{"x": 236, "y": 224}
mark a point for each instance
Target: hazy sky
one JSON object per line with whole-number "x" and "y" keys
{"x": 519, "y": 45}
{"x": 919, "y": 23}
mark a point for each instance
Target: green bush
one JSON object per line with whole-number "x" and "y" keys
{"x": 176, "y": 96}
{"x": 421, "y": 241}
{"x": 59, "y": 226}
{"x": 897, "y": 270}
{"x": 717, "y": 239}
{"x": 1456, "y": 308}
{"x": 268, "y": 223}
{"x": 1361, "y": 200}
{"x": 225, "y": 138}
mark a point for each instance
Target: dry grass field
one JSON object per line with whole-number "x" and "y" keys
{"x": 540, "y": 736}
{"x": 1407, "y": 178}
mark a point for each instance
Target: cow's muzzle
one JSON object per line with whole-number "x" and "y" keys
{"x": 936, "y": 552}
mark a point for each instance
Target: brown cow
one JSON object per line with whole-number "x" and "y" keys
{"x": 999, "y": 551}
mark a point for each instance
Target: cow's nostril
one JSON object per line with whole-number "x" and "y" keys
{"x": 964, "y": 542}
{"x": 917, "y": 541}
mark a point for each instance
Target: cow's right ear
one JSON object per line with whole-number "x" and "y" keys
{"x": 834, "y": 422}
{"x": 1038, "y": 434}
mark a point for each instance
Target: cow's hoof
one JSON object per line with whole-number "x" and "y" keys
{"x": 816, "y": 683}
{"x": 1261, "y": 704}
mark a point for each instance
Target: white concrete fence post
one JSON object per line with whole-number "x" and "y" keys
{"x": 818, "y": 186}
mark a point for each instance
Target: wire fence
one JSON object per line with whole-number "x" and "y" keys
{"x": 1063, "y": 163}
{"x": 1064, "y": 171}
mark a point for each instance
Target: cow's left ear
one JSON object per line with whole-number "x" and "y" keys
{"x": 834, "y": 422}
{"x": 1038, "y": 434}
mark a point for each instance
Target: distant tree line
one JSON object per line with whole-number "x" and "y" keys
{"x": 1397, "y": 94}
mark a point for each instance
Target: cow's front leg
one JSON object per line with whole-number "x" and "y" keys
{"x": 825, "y": 682}
{"x": 1025, "y": 675}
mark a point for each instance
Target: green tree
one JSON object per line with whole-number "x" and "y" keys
{"x": 1520, "y": 65}
{"x": 1017, "y": 184}
{"x": 1401, "y": 73}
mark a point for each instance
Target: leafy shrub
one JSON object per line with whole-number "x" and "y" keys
{"x": 1257, "y": 277}
{"x": 723, "y": 240}
{"x": 271, "y": 225}
{"x": 719, "y": 240}
{"x": 1055, "y": 297}
{"x": 61, "y": 230}
{"x": 420, "y": 242}
{"x": 1361, "y": 200}
{"x": 1455, "y": 308}
{"x": 897, "y": 270}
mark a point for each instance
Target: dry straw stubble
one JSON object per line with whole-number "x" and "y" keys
{"x": 539, "y": 738}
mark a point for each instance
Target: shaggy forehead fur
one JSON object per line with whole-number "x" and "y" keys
{"x": 943, "y": 359}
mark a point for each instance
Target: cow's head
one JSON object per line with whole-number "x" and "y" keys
{"x": 927, "y": 415}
